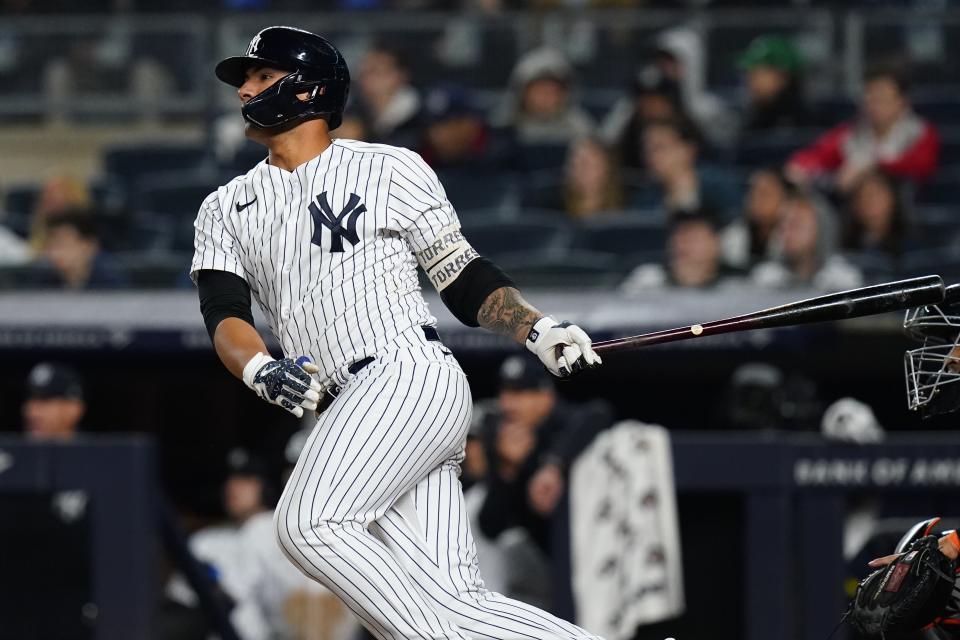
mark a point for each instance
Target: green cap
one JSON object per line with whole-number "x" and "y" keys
{"x": 770, "y": 51}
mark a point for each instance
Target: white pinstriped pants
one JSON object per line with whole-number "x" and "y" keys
{"x": 374, "y": 508}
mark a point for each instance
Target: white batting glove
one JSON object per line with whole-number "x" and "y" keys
{"x": 563, "y": 348}
{"x": 285, "y": 382}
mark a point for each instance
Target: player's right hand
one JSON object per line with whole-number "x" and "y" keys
{"x": 287, "y": 382}
{"x": 563, "y": 348}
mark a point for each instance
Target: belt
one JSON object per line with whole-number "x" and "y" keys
{"x": 430, "y": 333}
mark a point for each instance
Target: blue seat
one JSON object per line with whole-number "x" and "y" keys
{"x": 155, "y": 270}
{"x": 478, "y": 189}
{"x": 563, "y": 269}
{"x": 537, "y": 157}
{"x": 174, "y": 194}
{"x": 527, "y": 233}
{"x": 942, "y": 189}
{"x": 772, "y": 150}
{"x": 943, "y": 261}
{"x": 126, "y": 165}
{"x": 622, "y": 235}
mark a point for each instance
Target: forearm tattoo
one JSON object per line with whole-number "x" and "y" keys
{"x": 506, "y": 312}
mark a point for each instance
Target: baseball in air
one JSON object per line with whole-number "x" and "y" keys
{"x": 696, "y": 329}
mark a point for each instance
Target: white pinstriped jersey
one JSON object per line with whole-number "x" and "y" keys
{"x": 328, "y": 249}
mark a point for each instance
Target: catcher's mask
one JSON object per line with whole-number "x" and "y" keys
{"x": 933, "y": 370}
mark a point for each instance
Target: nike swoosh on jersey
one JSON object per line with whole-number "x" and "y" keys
{"x": 241, "y": 207}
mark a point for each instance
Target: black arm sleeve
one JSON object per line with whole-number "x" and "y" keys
{"x": 223, "y": 295}
{"x": 465, "y": 295}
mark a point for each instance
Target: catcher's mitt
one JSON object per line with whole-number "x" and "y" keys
{"x": 905, "y": 596}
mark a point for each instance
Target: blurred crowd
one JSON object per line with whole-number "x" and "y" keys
{"x": 672, "y": 185}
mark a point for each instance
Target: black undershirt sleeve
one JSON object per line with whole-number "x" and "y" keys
{"x": 465, "y": 295}
{"x": 223, "y": 295}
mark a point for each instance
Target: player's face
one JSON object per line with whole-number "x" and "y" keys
{"x": 243, "y": 496}
{"x": 52, "y": 418}
{"x": 257, "y": 80}
{"x": 953, "y": 360}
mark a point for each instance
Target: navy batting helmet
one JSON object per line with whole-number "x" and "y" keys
{"x": 316, "y": 68}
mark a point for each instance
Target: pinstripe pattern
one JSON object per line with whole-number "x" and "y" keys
{"x": 374, "y": 509}
{"x": 336, "y": 307}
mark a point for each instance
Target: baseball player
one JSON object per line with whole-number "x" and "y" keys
{"x": 326, "y": 236}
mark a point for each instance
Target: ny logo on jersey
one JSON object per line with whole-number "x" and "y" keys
{"x": 323, "y": 216}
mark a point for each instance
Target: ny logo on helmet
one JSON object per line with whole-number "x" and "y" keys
{"x": 323, "y": 216}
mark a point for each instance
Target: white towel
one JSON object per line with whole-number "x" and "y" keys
{"x": 625, "y": 541}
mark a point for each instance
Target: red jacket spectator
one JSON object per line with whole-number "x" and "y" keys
{"x": 888, "y": 136}
{"x": 910, "y": 150}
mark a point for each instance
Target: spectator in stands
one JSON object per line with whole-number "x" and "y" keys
{"x": 653, "y": 97}
{"x": 14, "y": 250}
{"x": 535, "y": 438}
{"x": 887, "y": 135}
{"x": 693, "y": 257}
{"x": 457, "y": 137}
{"x": 59, "y": 193}
{"x": 73, "y": 250}
{"x": 681, "y": 56}
{"x": 748, "y": 240}
{"x": 806, "y": 248}
{"x": 775, "y": 97}
{"x": 390, "y": 103}
{"x": 591, "y": 180}
{"x": 671, "y": 150}
{"x": 272, "y": 598}
{"x": 540, "y": 105}
{"x": 876, "y": 218}
{"x": 54, "y": 406}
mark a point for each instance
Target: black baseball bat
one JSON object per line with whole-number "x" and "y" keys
{"x": 856, "y": 303}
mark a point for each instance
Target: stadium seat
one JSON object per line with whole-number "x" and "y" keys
{"x": 876, "y": 266}
{"x": 154, "y": 270}
{"x": 125, "y": 166}
{"x": 949, "y": 147}
{"x": 29, "y": 276}
{"x": 941, "y": 109}
{"x": 935, "y": 226}
{"x": 175, "y": 194}
{"x": 621, "y": 234}
{"x": 18, "y": 205}
{"x": 528, "y": 233}
{"x": 837, "y": 108}
{"x": 471, "y": 189}
{"x": 943, "y": 261}
{"x": 567, "y": 269}
{"x": 943, "y": 189}
{"x": 772, "y": 150}
{"x": 536, "y": 157}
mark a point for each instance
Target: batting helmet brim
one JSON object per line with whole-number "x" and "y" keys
{"x": 233, "y": 70}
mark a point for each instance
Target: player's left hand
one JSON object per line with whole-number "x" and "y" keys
{"x": 563, "y": 348}
{"x": 288, "y": 383}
